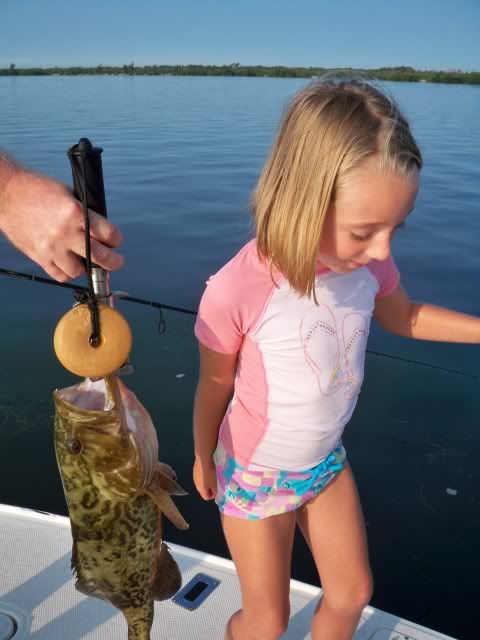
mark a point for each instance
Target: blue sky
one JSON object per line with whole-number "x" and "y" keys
{"x": 425, "y": 34}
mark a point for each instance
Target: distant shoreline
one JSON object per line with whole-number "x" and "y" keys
{"x": 396, "y": 74}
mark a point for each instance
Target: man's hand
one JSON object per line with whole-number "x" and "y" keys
{"x": 44, "y": 221}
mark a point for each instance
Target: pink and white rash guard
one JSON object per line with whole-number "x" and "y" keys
{"x": 300, "y": 365}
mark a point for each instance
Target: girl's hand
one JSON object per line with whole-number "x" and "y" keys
{"x": 205, "y": 479}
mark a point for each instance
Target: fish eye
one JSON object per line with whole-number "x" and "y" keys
{"x": 74, "y": 446}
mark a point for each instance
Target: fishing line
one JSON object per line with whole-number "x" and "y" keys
{"x": 162, "y": 325}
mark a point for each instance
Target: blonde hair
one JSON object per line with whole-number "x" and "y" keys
{"x": 330, "y": 127}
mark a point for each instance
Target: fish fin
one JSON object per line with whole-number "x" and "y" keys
{"x": 74, "y": 558}
{"x": 165, "y": 479}
{"x": 168, "y": 579}
{"x": 89, "y": 589}
{"x": 166, "y": 505}
{"x": 167, "y": 470}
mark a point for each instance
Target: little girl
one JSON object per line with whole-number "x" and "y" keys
{"x": 283, "y": 329}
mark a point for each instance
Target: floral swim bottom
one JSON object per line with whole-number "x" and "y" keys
{"x": 253, "y": 494}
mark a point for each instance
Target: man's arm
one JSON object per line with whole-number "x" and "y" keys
{"x": 7, "y": 169}
{"x": 43, "y": 220}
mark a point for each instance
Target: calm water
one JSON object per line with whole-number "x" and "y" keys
{"x": 181, "y": 156}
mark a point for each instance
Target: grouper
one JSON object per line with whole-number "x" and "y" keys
{"x": 116, "y": 492}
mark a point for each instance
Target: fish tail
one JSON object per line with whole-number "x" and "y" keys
{"x": 139, "y": 621}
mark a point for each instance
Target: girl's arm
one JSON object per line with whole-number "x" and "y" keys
{"x": 400, "y": 315}
{"x": 214, "y": 392}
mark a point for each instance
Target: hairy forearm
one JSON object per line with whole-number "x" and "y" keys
{"x": 7, "y": 165}
{"x": 8, "y": 169}
{"x": 211, "y": 402}
{"x": 429, "y": 322}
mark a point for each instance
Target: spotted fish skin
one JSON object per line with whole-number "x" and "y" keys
{"x": 116, "y": 490}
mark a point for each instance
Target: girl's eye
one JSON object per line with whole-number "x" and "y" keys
{"x": 359, "y": 238}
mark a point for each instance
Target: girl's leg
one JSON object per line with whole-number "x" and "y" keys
{"x": 261, "y": 551}
{"x": 333, "y": 526}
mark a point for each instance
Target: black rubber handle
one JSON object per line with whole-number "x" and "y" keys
{"x": 86, "y": 162}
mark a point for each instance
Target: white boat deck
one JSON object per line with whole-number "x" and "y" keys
{"x": 37, "y": 591}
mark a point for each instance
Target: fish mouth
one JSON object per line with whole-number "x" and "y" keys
{"x": 89, "y": 395}
{"x": 89, "y": 402}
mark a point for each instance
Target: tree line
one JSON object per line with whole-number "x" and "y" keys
{"x": 403, "y": 74}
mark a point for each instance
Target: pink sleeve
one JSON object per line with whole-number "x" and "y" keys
{"x": 387, "y": 275}
{"x": 233, "y": 301}
{"x": 218, "y": 324}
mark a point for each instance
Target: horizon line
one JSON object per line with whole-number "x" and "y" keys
{"x": 239, "y": 66}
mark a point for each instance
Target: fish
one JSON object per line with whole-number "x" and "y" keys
{"x": 116, "y": 492}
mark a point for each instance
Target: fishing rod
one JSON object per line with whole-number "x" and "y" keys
{"x": 117, "y": 294}
{"x": 162, "y": 327}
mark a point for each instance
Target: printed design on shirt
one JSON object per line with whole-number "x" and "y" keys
{"x": 355, "y": 334}
{"x": 322, "y": 346}
{"x": 318, "y": 327}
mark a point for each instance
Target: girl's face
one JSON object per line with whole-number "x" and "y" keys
{"x": 360, "y": 223}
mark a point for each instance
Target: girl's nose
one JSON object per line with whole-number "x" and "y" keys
{"x": 379, "y": 251}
